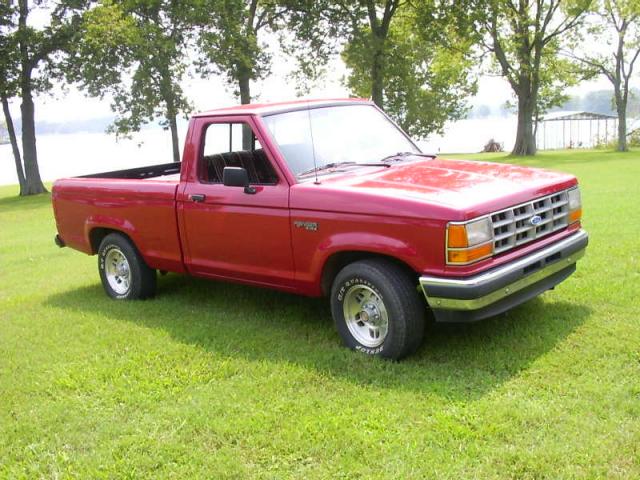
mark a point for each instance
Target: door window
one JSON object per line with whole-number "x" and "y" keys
{"x": 234, "y": 145}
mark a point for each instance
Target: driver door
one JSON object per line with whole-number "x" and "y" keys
{"x": 227, "y": 232}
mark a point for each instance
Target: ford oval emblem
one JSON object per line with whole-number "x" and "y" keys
{"x": 535, "y": 220}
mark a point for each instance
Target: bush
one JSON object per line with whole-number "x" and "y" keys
{"x": 493, "y": 146}
{"x": 603, "y": 145}
{"x": 633, "y": 138}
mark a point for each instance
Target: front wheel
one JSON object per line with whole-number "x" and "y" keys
{"x": 123, "y": 271}
{"x": 377, "y": 309}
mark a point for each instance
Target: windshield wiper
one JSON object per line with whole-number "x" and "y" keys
{"x": 400, "y": 156}
{"x": 327, "y": 166}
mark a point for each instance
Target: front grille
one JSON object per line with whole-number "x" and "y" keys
{"x": 512, "y": 227}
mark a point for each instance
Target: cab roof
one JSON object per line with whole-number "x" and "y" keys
{"x": 280, "y": 107}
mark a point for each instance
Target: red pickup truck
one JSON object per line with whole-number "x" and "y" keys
{"x": 330, "y": 198}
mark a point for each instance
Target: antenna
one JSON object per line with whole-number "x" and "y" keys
{"x": 313, "y": 145}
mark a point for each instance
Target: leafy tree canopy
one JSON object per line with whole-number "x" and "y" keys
{"x": 426, "y": 67}
{"x": 30, "y": 57}
{"x": 525, "y": 38}
{"x": 135, "y": 51}
{"x": 615, "y": 27}
{"x": 232, "y": 41}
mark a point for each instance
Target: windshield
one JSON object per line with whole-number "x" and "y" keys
{"x": 339, "y": 134}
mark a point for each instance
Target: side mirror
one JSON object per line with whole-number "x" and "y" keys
{"x": 237, "y": 177}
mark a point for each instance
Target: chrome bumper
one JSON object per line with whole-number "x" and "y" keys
{"x": 504, "y": 287}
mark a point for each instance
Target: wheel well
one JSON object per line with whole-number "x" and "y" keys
{"x": 338, "y": 261}
{"x": 96, "y": 235}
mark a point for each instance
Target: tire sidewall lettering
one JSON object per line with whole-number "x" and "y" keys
{"x": 103, "y": 254}
{"x": 370, "y": 351}
{"x": 357, "y": 281}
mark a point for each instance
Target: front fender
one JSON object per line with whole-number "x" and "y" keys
{"x": 357, "y": 243}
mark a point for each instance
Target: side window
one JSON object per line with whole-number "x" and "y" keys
{"x": 234, "y": 145}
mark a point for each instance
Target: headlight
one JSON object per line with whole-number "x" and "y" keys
{"x": 575, "y": 205}
{"x": 469, "y": 242}
{"x": 479, "y": 231}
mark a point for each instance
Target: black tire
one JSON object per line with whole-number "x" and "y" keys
{"x": 142, "y": 279}
{"x": 395, "y": 289}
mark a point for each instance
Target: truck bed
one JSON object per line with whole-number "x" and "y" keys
{"x": 139, "y": 202}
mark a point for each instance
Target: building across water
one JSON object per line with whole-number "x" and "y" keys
{"x": 570, "y": 129}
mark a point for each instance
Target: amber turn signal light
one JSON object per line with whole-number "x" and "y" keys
{"x": 457, "y": 236}
{"x": 575, "y": 215}
{"x": 470, "y": 255}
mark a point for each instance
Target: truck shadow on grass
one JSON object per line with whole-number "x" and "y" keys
{"x": 461, "y": 362}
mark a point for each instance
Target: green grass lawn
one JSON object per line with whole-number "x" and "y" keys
{"x": 220, "y": 381}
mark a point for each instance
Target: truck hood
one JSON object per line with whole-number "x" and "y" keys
{"x": 470, "y": 188}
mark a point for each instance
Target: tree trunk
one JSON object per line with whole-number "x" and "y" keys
{"x": 175, "y": 143}
{"x": 245, "y": 88}
{"x": 525, "y": 140}
{"x": 245, "y": 98}
{"x": 14, "y": 143}
{"x": 379, "y": 32}
{"x": 622, "y": 130}
{"x": 377, "y": 80}
{"x": 621, "y": 108}
{"x": 33, "y": 182}
{"x": 168, "y": 95}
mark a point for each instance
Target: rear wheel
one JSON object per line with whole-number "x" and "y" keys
{"x": 377, "y": 309}
{"x": 124, "y": 274}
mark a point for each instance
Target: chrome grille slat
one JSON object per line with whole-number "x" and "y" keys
{"x": 511, "y": 227}
{"x": 502, "y": 222}
{"x": 503, "y": 235}
{"x": 543, "y": 209}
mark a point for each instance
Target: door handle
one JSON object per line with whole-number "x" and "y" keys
{"x": 197, "y": 197}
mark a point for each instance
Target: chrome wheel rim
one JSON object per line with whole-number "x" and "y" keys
{"x": 117, "y": 271}
{"x": 366, "y": 316}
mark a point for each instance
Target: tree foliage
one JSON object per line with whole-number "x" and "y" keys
{"x": 8, "y": 50}
{"x": 614, "y": 27}
{"x": 135, "y": 52}
{"x": 230, "y": 45}
{"x": 232, "y": 39}
{"x": 422, "y": 87}
{"x": 31, "y": 57}
{"x": 525, "y": 38}
{"x": 413, "y": 61}
{"x": 9, "y": 83}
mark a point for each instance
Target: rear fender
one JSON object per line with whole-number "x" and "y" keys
{"x": 111, "y": 223}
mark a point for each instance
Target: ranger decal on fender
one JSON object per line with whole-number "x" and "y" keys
{"x": 311, "y": 226}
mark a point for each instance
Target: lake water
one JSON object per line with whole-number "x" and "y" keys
{"x": 65, "y": 155}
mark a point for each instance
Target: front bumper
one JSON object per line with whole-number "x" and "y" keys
{"x": 504, "y": 287}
